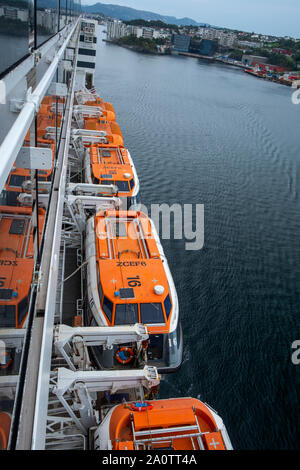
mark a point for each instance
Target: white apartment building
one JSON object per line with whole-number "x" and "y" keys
{"x": 116, "y": 29}
{"x": 225, "y": 38}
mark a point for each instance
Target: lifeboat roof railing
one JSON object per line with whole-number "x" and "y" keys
{"x": 80, "y": 112}
{"x": 139, "y": 235}
{"x": 107, "y": 149}
{"x": 145, "y": 438}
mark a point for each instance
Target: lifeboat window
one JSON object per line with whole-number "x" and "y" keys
{"x": 108, "y": 308}
{"x": 123, "y": 186}
{"x": 99, "y": 285}
{"x": 152, "y": 313}
{"x": 100, "y": 292}
{"x": 168, "y": 306}
{"x": 16, "y": 180}
{"x": 7, "y": 316}
{"x": 6, "y": 294}
{"x": 131, "y": 182}
{"x": 22, "y": 309}
{"x": 106, "y": 182}
{"x": 9, "y": 198}
{"x": 126, "y": 314}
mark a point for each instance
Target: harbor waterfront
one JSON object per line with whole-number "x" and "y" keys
{"x": 208, "y": 134}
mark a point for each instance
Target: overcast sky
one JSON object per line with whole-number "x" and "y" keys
{"x": 279, "y": 17}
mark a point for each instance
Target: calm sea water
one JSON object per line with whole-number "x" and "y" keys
{"x": 210, "y": 134}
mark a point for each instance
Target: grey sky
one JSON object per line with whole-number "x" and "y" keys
{"x": 279, "y": 17}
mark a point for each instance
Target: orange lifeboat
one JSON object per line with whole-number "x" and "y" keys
{"x": 113, "y": 165}
{"x": 173, "y": 424}
{"x": 110, "y": 130}
{"x": 129, "y": 281}
{"x": 16, "y": 263}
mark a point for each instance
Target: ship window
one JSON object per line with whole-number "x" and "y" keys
{"x": 126, "y": 314}
{"x": 131, "y": 182}
{"x": 16, "y": 180}
{"x": 123, "y": 186}
{"x": 88, "y": 39}
{"x": 168, "y": 306}
{"x": 22, "y": 309}
{"x": 106, "y": 153}
{"x": 107, "y": 308}
{"x": 7, "y": 316}
{"x": 152, "y": 313}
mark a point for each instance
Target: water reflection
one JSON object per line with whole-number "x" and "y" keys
{"x": 16, "y": 21}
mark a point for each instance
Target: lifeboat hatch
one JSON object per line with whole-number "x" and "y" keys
{"x": 17, "y": 227}
{"x": 126, "y": 293}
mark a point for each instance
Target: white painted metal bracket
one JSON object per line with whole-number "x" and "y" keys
{"x": 92, "y": 189}
{"x": 97, "y": 381}
{"x": 36, "y": 158}
{"x": 66, "y": 336}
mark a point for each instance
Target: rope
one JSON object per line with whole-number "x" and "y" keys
{"x": 76, "y": 270}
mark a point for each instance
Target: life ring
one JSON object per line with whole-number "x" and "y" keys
{"x": 8, "y": 361}
{"x": 141, "y": 406}
{"x": 124, "y": 355}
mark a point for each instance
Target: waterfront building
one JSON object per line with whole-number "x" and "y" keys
{"x": 249, "y": 44}
{"x": 181, "y": 42}
{"x": 116, "y": 29}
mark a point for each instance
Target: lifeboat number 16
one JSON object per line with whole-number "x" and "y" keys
{"x": 134, "y": 281}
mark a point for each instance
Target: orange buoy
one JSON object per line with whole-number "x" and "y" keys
{"x": 141, "y": 406}
{"x": 8, "y": 361}
{"x": 124, "y": 355}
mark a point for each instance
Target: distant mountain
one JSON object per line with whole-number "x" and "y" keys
{"x": 127, "y": 14}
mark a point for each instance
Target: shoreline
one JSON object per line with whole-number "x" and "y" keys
{"x": 202, "y": 57}
{"x": 139, "y": 49}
